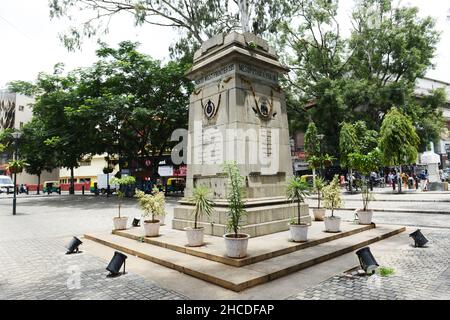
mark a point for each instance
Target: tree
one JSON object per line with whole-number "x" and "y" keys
{"x": 312, "y": 148}
{"x": 196, "y": 21}
{"x": 344, "y": 79}
{"x": 67, "y": 123}
{"x": 137, "y": 101}
{"x": 398, "y": 141}
{"x": 36, "y": 153}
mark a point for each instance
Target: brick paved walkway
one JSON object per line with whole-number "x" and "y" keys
{"x": 420, "y": 274}
{"x": 39, "y": 269}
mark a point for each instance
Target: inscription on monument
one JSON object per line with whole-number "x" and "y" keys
{"x": 215, "y": 74}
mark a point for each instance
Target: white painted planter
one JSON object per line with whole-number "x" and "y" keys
{"x": 120, "y": 223}
{"x": 236, "y": 247}
{"x": 299, "y": 232}
{"x": 195, "y": 236}
{"x": 364, "y": 217}
{"x": 332, "y": 224}
{"x": 162, "y": 220}
{"x": 319, "y": 214}
{"x": 151, "y": 228}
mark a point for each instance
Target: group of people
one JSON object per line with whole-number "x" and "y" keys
{"x": 409, "y": 180}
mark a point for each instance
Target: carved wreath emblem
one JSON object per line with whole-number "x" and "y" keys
{"x": 210, "y": 108}
{"x": 264, "y": 107}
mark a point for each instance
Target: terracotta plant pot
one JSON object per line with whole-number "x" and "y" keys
{"x": 236, "y": 247}
{"x": 299, "y": 232}
{"x": 151, "y": 228}
{"x": 319, "y": 214}
{"x": 332, "y": 224}
{"x": 120, "y": 223}
{"x": 364, "y": 217}
{"x": 195, "y": 236}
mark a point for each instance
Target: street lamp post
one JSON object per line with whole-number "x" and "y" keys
{"x": 16, "y": 135}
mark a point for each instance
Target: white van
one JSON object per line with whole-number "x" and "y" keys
{"x": 6, "y": 184}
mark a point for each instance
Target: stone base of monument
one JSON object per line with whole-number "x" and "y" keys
{"x": 438, "y": 186}
{"x": 264, "y": 216}
{"x": 269, "y": 257}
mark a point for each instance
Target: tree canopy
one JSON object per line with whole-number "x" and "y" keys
{"x": 362, "y": 76}
{"x": 398, "y": 139}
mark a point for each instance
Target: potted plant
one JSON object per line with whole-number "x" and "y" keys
{"x": 319, "y": 213}
{"x": 297, "y": 190}
{"x": 365, "y": 163}
{"x": 327, "y": 160}
{"x": 120, "y": 223}
{"x": 203, "y": 205}
{"x": 332, "y": 200}
{"x": 16, "y": 166}
{"x": 152, "y": 205}
{"x": 236, "y": 243}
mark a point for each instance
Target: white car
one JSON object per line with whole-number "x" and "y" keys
{"x": 6, "y": 184}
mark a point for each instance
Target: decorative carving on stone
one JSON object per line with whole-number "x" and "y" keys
{"x": 210, "y": 108}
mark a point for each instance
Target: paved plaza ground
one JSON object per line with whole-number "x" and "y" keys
{"x": 34, "y": 266}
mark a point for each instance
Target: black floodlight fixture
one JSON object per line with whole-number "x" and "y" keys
{"x": 136, "y": 222}
{"x": 116, "y": 263}
{"x": 73, "y": 246}
{"x": 367, "y": 260}
{"x": 419, "y": 238}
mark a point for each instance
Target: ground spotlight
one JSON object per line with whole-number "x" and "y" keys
{"x": 73, "y": 246}
{"x": 136, "y": 222}
{"x": 115, "y": 264}
{"x": 367, "y": 260}
{"x": 419, "y": 238}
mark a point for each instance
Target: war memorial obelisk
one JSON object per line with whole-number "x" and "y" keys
{"x": 237, "y": 112}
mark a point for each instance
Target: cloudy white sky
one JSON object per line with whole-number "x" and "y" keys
{"x": 30, "y": 44}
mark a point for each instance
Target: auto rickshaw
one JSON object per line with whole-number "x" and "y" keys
{"x": 308, "y": 178}
{"x": 175, "y": 185}
{"x": 51, "y": 186}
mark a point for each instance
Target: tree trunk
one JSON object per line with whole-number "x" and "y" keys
{"x": 298, "y": 212}
{"x": 314, "y": 177}
{"x": 350, "y": 186}
{"x": 39, "y": 183}
{"x": 72, "y": 182}
{"x": 400, "y": 180}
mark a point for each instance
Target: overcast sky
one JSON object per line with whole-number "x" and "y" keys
{"x": 30, "y": 44}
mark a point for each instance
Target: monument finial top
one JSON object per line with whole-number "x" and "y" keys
{"x": 245, "y": 18}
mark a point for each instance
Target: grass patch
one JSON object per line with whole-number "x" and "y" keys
{"x": 386, "y": 271}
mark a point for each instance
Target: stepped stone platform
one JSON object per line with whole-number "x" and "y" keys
{"x": 269, "y": 257}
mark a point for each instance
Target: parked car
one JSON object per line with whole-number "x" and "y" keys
{"x": 6, "y": 184}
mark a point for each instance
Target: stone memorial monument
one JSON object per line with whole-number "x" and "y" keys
{"x": 237, "y": 113}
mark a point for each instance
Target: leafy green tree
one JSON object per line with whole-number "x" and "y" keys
{"x": 67, "y": 123}
{"x": 196, "y": 21}
{"x": 398, "y": 141}
{"x": 137, "y": 101}
{"x": 36, "y": 153}
{"x": 344, "y": 79}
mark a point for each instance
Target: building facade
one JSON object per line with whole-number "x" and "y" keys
{"x": 15, "y": 111}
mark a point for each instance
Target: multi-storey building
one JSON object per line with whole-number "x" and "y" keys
{"x": 15, "y": 111}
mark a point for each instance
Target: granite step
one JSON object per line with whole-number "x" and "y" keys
{"x": 241, "y": 278}
{"x": 260, "y": 248}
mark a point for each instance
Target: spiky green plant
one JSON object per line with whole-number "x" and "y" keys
{"x": 235, "y": 194}
{"x": 297, "y": 190}
{"x": 202, "y": 202}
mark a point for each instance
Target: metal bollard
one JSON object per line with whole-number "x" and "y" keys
{"x": 82, "y": 190}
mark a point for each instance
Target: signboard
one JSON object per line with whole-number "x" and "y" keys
{"x": 165, "y": 171}
{"x": 180, "y": 171}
